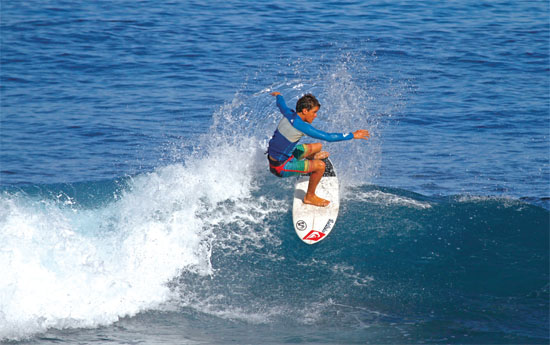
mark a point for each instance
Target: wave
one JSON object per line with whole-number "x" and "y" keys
{"x": 87, "y": 259}
{"x": 213, "y": 234}
{"x": 220, "y": 241}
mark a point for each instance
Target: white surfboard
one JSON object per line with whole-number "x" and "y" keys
{"x": 314, "y": 223}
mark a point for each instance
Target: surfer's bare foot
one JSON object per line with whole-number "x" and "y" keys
{"x": 321, "y": 155}
{"x": 315, "y": 200}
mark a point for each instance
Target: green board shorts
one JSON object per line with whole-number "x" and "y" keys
{"x": 293, "y": 166}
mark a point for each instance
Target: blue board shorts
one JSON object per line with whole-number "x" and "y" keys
{"x": 293, "y": 166}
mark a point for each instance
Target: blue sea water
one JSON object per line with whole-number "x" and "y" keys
{"x": 136, "y": 205}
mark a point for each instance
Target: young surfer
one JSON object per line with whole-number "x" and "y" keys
{"x": 287, "y": 158}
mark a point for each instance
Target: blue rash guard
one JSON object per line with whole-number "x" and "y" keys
{"x": 291, "y": 129}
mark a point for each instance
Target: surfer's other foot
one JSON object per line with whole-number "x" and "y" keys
{"x": 321, "y": 155}
{"x": 315, "y": 200}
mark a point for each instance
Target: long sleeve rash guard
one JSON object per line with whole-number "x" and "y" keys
{"x": 291, "y": 129}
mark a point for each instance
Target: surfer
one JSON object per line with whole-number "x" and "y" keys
{"x": 287, "y": 158}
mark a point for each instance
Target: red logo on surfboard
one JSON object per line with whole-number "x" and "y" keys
{"x": 314, "y": 235}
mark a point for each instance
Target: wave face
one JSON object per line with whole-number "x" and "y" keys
{"x": 192, "y": 239}
{"x": 83, "y": 255}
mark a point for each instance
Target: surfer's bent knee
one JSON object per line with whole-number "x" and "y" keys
{"x": 317, "y": 165}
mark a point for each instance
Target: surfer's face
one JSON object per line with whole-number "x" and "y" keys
{"x": 310, "y": 115}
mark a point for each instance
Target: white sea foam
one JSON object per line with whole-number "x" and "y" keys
{"x": 67, "y": 266}
{"x": 484, "y": 198}
{"x": 382, "y": 198}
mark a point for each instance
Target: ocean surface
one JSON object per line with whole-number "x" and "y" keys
{"x": 136, "y": 206}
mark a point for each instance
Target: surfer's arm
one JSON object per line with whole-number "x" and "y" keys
{"x": 313, "y": 132}
{"x": 281, "y": 104}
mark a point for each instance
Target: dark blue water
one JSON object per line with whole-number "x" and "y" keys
{"x": 135, "y": 204}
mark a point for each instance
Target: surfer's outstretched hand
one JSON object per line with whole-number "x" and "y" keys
{"x": 275, "y": 93}
{"x": 361, "y": 134}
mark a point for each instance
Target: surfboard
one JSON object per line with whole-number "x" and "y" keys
{"x": 314, "y": 223}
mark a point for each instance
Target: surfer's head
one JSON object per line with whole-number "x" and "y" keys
{"x": 307, "y": 107}
{"x": 308, "y": 101}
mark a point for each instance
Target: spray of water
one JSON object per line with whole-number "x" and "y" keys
{"x": 71, "y": 265}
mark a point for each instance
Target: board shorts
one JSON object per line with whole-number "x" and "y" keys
{"x": 294, "y": 166}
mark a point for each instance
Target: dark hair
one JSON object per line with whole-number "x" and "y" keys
{"x": 308, "y": 101}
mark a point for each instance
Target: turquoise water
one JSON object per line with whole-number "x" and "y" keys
{"x": 136, "y": 205}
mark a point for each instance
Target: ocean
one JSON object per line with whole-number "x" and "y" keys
{"x": 136, "y": 205}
